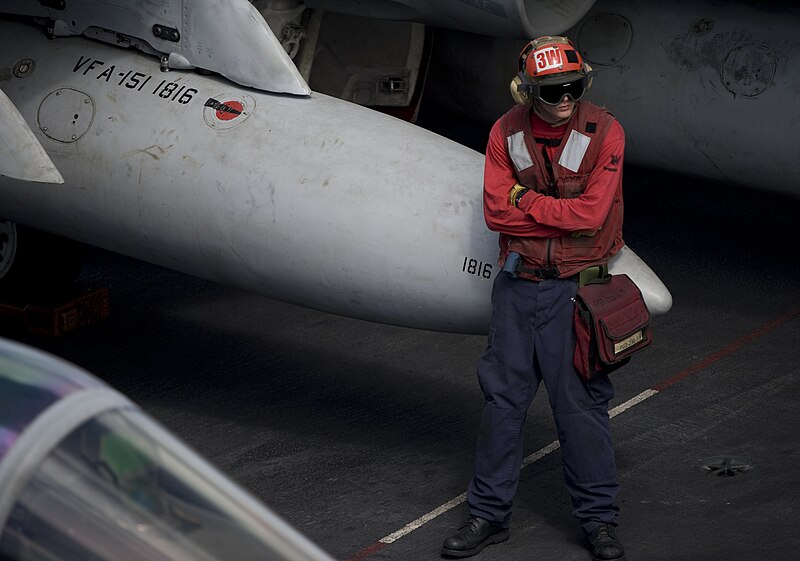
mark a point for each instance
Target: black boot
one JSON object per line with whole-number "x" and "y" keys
{"x": 605, "y": 545}
{"x": 472, "y": 537}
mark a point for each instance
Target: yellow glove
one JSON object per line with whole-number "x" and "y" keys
{"x": 516, "y": 194}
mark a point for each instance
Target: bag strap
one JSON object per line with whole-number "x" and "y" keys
{"x": 597, "y": 274}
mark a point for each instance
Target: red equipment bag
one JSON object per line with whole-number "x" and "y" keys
{"x": 611, "y": 324}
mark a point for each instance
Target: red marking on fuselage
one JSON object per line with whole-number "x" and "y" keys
{"x": 228, "y": 115}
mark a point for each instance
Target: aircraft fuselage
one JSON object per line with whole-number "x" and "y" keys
{"x": 310, "y": 200}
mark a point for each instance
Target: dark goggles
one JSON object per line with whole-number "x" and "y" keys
{"x": 552, "y": 94}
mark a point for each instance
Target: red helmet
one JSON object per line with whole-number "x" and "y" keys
{"x": 549, "y": 61}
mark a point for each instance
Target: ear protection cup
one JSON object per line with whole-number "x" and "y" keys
{"x": 590, "y": 74}
{"x": 520, "y": 97}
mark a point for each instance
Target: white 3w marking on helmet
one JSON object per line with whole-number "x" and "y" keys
{"x": 547, "y": 58}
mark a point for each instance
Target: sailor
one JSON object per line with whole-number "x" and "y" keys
{"x": 553, "y": 192}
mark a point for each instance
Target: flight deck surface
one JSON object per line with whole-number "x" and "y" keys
{"x": 361, "y": 435}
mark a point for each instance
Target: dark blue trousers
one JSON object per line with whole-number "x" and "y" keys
{"x": 532, "y": 340}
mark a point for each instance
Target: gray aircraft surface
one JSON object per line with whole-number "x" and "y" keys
{"x": 702, "y": 88}
{"x": 228, "y": 139}
{"x": 85, "y": 474}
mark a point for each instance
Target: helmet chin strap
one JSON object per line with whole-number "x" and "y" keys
{"x": 546, "y": 117}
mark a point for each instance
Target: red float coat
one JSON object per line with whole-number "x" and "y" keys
{"x": 546, "y": 228}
